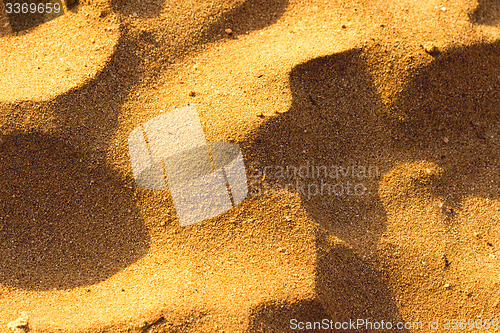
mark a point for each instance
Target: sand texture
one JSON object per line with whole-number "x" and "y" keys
{"x": 410, "y": 89}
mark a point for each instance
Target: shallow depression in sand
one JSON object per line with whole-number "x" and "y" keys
{"x": 64, "y": 223}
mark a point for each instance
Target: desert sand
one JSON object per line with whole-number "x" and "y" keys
{"x": 410, "y": 89}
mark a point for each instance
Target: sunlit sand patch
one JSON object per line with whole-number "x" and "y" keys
{"x": 52, "y": 58}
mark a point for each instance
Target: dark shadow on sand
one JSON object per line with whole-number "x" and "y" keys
{"x": 66, "y": 234}
{"x": 63, "y": 223}
{"x": 487, "y": 13}
{"x": 333, "y": 122}
{"x": 142, "y": 8}
{"x": 337, "y": 118}
{"x": 456, "y": 99}
{"x": 249, "y": 15}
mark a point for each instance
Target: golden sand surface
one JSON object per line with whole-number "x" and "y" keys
{"x": 411, "y": 88}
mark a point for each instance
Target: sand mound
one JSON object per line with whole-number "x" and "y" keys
{"x": 52, "y": 58}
